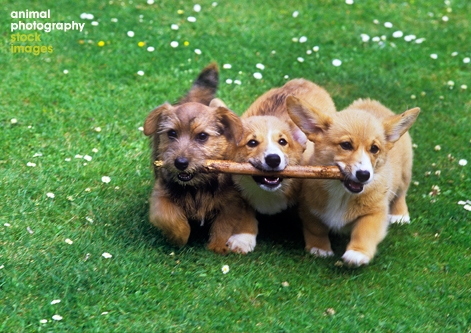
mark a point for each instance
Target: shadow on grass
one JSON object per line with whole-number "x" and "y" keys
{"x": 282, "y": 231}
{"x": 133, "y": 227}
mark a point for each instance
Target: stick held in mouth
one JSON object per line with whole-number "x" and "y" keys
{"x": 295, "y": 171}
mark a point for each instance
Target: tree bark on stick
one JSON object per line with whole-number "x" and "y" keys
{"x": 294, "y": 171}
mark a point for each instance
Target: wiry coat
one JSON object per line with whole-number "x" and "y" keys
{"x": 184, "y": 136}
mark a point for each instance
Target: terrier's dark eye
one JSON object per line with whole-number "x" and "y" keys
{"x": 252, "y": 143}
{"x": 172, "y": 134}
{"x": 202, "y": 137}
{"x": 282, "y": 142}
{"x": 374, "y": 149}
{"x": 346, "y": 145}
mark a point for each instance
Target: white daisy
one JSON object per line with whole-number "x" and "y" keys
{"x": 336, "y": 62}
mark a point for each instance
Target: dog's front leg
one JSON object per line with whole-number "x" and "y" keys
{"x": 169, "y": 218}
{"x": 235, "y": 229}
{"x": 316, "y": 234}
{"x": 367, "y": 232}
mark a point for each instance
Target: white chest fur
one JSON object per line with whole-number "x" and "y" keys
{"x": 334, "y": 213}
{"x": 264, "y": 202}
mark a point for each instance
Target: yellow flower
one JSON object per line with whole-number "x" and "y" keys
{"x": 141, "y": 44}
{"x": 101, "y": 43}
{"x": 186, "y": 43}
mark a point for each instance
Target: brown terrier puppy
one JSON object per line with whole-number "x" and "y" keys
{"x": 184, "y": 136}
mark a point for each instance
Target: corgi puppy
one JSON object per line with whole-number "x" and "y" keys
{"x": 369, "y": 144}
{"x": 271, "y": 141}
{"x": 184, "y": 136}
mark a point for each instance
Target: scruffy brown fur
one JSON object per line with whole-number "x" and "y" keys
{"x": 184, "y": 136}
{"x": 371, "y": 146}
{"x": 272, "y": 141}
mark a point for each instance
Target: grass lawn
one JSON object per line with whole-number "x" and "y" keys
{"x": 71, "y": 117}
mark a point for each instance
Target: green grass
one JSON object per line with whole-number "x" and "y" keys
{"x": 419, "y": 280}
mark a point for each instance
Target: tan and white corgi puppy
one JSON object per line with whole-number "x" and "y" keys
{"x": 271, "y": 141}
{"x": 369, "y": 144}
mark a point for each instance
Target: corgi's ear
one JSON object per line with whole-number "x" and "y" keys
{"x": 152, "y": 120}
{"x": 396, "y": 126}
{"x": 216, "y": 102}
{"x": 298, "y": 135}
{"x": 232, "y": 124}
{"x": 310, "y": 120}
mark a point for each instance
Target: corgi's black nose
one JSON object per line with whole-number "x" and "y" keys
{"x": 181, "y": 163}
{"x": 362, "y": 175}
{"x": 273, "y": 160}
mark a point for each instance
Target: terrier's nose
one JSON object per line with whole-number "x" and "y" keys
{"x": 273, "y": 160}
{"x": 181, "y": 163}
{"x": 362, "y": 175}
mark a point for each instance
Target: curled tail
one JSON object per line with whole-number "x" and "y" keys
{"x": 204, "y": 87}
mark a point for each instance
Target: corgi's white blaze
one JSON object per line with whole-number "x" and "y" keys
{"x": 399, "y": 219}
{"x": 242, "y": 243}
{"x": 273, "y": 148}
{"x": 334, "y": 213}
{"x": 320, "y": 253}
{"x": 363, "y": 165}
{"x": 355, "y": 258}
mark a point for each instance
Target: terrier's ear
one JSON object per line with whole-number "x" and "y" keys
{"x": 216, "y": 102}
{"x": 313, "y": 122}
{"x": 152, "y": 120}
{"x": 396, "y": 126}
{"x": 232, "y": 124}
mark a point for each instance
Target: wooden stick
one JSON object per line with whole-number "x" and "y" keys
{"x": 295, "y": 171}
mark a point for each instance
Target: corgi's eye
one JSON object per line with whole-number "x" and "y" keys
{"x": 202, "y": 137}
{"x": 172, "y": 134}
{"x": 346, "y": 145}
{"x": 252, "y": 143}
{"x": 282, "y": 142}
{"x": 374, "y": 149}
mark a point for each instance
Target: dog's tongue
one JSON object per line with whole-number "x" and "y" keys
{"x": 353, "y": 186}
{"x": 272, "y": 180}
{"x": 267, "y": 181}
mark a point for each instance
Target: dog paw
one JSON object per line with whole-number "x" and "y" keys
{"x": 219, "y": 248}
{"x": 355, "y": 259}
{"x": 320, "y": 253}
{"x": 400, "y": 219}
{"x": 242, "y": 243}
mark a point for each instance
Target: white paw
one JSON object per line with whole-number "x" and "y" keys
{"x": 355, "y": 258}
{"x": 401, "y": 219}
{"x": 320, "y": 253}
{"x": 242, "y": 243}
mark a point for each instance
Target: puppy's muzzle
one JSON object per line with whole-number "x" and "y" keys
{"x": 356, "y": 186}
{"x": 362, "y": 175}
{"x": 273, "y": 160}
{"x": 270, "y": 183}
{"x": 181, "y": 163}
